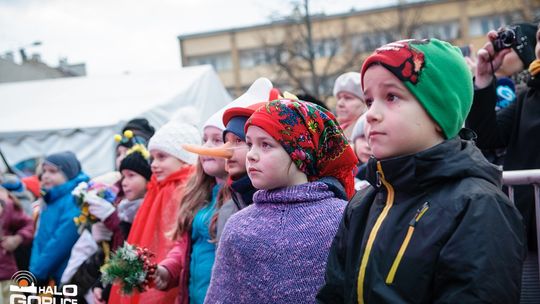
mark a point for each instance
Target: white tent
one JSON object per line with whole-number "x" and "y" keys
{"x": 38, "y": 118}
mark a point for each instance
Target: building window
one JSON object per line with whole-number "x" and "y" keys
{"x": 370, "y": 41}
{"x": 326, "y": 48}
{"x": 255, "y": 57}
{"x": 444, "y": 31}
{"x": 220, "y": 62}
{"x": 479, "y": 26}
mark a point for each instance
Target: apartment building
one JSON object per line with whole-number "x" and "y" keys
{"x": 341, "y": 41}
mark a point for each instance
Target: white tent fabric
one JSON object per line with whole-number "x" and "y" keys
{"x": 82, "y": 114}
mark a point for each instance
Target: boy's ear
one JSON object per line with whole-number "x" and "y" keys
{"x": 439, "y": 130}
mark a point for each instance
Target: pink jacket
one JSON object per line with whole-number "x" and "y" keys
{"x": 177, "y": 263}
{"x": 13, "y": 221}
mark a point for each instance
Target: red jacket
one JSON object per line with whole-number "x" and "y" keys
{"x": 154, "y": 220}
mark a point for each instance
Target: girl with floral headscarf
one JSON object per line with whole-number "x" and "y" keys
{"x": 275, "y": 250}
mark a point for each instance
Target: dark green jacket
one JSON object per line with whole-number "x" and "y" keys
{"x": 434, "y": 228}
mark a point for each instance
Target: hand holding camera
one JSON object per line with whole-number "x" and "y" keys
{"x": 490, "y": 56}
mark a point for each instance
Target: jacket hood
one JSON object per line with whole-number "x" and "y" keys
{"x": 450, "y": 160}
{"x": 59, "y": 191}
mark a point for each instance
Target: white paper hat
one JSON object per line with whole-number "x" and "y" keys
{"x": 259, "y": 91}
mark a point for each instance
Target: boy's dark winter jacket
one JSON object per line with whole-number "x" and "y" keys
{"x": 434, "y": 228}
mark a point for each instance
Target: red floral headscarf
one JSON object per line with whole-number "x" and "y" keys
{"x": 311, "y": 136}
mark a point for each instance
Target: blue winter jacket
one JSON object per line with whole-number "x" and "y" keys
{"x": 203, "y": 251}
{"x": 57, "y": 232}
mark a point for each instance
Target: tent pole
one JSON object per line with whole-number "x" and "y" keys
{"x": 5, "y": 162}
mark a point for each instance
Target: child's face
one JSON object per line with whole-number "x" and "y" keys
{"x": 164, "y": 164}
{"x": 213, "y": 166}
{"x": 120, "y": 155}
{"x": 349, "y": 107}
{"x": 133, "y": 185}
{"x": 269, "y": 166}
{"x": 361, "y": 149}
{"x": 51, "y": 176}
{"x": 396, "y": 122}
{"x": 236, "y": 165}
{"x": 511, "y": 64}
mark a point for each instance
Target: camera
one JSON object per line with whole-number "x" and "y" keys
{"x": 506, "y": 38}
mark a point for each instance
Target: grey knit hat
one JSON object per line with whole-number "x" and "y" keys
{"x": 349, "y": 82}
{"x": 66, "y": 162}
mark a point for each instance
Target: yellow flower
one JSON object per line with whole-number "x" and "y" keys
{"x": 117, "y": 138}
{"x": 312, "y": 125}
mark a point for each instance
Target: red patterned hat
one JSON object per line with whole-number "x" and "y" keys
{"x": 311, "y": 136}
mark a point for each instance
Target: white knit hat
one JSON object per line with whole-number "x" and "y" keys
{"x": 359, "y": 127}
{"x": 348, "y": 82}
{"x": 259, "y": 91}
{"x": 171, "y": 136}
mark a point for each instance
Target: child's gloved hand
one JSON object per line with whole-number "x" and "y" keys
{"x": 161, "y": 277}
{"x": 101, "y": 233}
{"x": 98, "y": 206}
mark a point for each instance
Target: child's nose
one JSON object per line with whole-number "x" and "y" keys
{"x": 373, "y": 113}
{"x": 251, "y": 156}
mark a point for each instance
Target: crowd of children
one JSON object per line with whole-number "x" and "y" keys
{"x": 280, "y": 201}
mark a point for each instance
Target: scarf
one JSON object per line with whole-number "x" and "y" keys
{"x": 154, "y": 220}
{"x": 311, "y": 136}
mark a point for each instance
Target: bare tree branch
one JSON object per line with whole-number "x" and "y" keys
{"x": 309, "y": 54}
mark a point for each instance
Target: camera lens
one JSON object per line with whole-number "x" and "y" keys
{"x": 508, "y": 37}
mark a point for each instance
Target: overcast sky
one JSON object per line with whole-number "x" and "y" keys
{"x": 115, "y": 36}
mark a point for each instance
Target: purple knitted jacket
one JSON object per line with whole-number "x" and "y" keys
{"x": 275, "y": 250}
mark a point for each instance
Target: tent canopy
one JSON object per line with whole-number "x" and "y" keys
{"x": 83, "y": 114}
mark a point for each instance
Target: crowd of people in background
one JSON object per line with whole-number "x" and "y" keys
{"x": 388, "y": 199}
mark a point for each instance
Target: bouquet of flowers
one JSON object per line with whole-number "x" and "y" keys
{"x": 131, "y": 267}
{"x": 102, "y": 186}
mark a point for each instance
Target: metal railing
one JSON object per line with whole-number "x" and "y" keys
{"x": 526, "y": 177}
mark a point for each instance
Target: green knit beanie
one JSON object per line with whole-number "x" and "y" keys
{"x": 436, "y": 73}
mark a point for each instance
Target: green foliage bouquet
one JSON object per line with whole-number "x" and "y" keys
{"x": 131, "y": 267}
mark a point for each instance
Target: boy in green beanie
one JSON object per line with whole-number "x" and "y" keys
{"x": 434, "y": 226}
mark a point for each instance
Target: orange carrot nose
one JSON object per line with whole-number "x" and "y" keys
{"x": 224, "y": 151}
